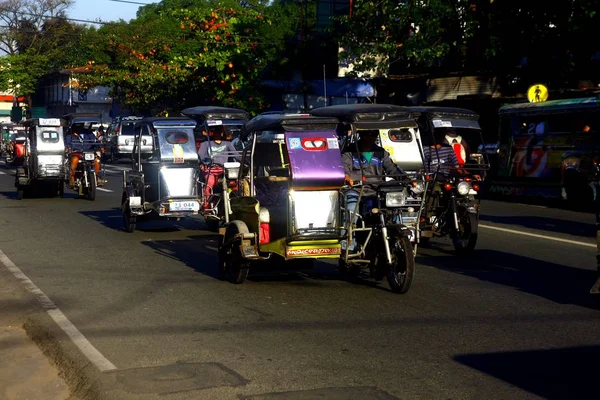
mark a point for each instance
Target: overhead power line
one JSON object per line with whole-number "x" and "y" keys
{"x": 130, "y": 2}
{"x": 58, "y": 17}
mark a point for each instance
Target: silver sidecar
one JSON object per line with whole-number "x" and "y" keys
{"x": 44, "y": 156}
{"x": 164, "y": 178}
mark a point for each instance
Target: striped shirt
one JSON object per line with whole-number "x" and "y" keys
{"x": 445, "y": 158}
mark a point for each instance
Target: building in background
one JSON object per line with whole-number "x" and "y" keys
{"x": 7, "y": 100}
{"x": 61, "y": 95}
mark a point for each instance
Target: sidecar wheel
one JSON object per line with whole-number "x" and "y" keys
{"x": 402, "y": 271}
{"x": 236, "y": 266}
{"x": 129, "y": 220}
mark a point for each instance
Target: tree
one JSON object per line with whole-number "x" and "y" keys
{"x": 533, "y": 40}
{"x": 178, "y": 53}
{"x": 415, "y": 35}
{"x": 21, "y": 20}
{"x": 34, "y": 39}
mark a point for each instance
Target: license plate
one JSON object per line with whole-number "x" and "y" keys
{"x": 89, "y": 156}
{"x": 184, "y": 206}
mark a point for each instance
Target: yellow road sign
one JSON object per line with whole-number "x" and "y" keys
{"x": 537, "y": 93}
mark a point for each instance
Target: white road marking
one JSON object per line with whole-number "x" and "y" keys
{"x": 212, "y": 248}
{"x": 61, "y": 319}
{"x": 575, "y": 242}
{"x": 104, "y": 190}
{"x": 2, "y": 173}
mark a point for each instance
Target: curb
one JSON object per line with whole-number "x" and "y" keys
{"x": 78, "y": 373}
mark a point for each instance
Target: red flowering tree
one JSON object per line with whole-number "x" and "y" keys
{"x": 205, "y": 53}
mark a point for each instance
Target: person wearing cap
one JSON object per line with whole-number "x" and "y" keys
{"x": 217, "y": 149}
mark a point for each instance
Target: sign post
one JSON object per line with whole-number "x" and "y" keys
{"x": 537, "y": 93}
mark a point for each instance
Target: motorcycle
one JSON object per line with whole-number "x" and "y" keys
{"x": 86, "y": 181}
{"x": 384, "y": 244}
{"x": 454, "y": 212}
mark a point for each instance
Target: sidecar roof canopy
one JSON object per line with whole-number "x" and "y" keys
{"x": 44, "y": 122}
{"x": 288, "y": 122}
{"x": 166, "y": 122}
{"x": 83, "y": 117}
{"x": 363, "y": 112}
{"x": 215, "y": 113}
{"x": 446, "y": 112}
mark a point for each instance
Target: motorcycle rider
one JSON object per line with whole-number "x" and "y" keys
{"x": 217, "y": 149}
{"x": 460, "y": 146}
{"x": 80, "y": 140}
{"x": 375, "y": 161}
{"x": 440, "y": 158}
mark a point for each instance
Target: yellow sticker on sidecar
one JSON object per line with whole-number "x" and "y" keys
{"x": 178, "y": 154}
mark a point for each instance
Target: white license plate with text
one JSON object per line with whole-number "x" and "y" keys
{"x": 184, "y": 206}
{"x": 89, "y": 156}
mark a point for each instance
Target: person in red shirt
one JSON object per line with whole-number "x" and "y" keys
{"x": 460, "y": 146}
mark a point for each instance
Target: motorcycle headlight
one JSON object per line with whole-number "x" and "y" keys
{"x": 463, "y": 188}
{"x": 395, "y": 199}
{"x": 418, "y": 188}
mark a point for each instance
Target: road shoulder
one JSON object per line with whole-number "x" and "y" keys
{"x": 25, "y": 372}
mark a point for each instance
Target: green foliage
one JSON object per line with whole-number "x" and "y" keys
{"x": 549, "y": 40}
{"x": 418, "y": 35}
{"x": 19, "y": 73}
{"x": 178, "y": 53}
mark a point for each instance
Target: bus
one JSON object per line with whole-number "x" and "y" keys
{"x": 546, "y": 149}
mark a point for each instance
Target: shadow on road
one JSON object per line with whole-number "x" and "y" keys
{"x": 555, "y": 282}
{"x": 112, "y": 218}
{"x": 199, "y": 252}
{"x": 574, "y": 228}
{"x": 41, "y": 194}
{"x": 570, "y": 373}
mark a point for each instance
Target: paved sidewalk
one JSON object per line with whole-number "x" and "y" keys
{"x": 25, "y": 373}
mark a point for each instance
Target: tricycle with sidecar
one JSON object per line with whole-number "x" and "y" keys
{"x": 287, "y": 207}
{"x": 44, "y": 156}
{"x": 163, "y": 180}
{"x": 209, "y": 118}
{"x": 453, "y": 197}
{"x": 385, "y": 226}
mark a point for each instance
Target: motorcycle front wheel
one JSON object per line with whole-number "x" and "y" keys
{"x": 465, "y": 239}
{"x": 91, "y": 190}
{"x": 402, "y": 271}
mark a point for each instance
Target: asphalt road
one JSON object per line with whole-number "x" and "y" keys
{"x": 514, "y": 320}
